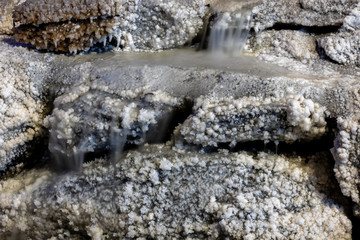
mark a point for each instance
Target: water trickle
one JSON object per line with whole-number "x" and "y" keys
{"x": 229, "y": 33}
{"x": 231, "y": 27}
{"x": 118, "y": 138}
{"x": 276, "y": 146}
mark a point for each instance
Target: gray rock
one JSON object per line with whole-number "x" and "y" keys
{"x": 109, "y": 90}
{"x": 346, "y": 154}
{"x": 23, "y": 100}
{"x": 342, "y": 47}
{"x": 301, "y": 13}
{"x": 94, "y": 118}
{"x": 250, "y": 119}
{"x": 284, "y": 43}
{"x": 162, "y": 193}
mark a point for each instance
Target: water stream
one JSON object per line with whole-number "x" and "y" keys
{"x": 229, "y": 33}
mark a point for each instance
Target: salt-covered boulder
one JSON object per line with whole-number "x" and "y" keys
{"x": 157, "y": 192}
{"x": 343, "y": 46}
{"x": 250, "y": 119}
{"x": 71, "y": 26}
{"x": 23, "y": 101}
{"x": 346, "y": 153}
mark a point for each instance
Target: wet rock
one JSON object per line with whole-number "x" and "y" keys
{"x": 162, "y": 193}
{"x": 129, "y": 25}
{"x": 95, "y": 119}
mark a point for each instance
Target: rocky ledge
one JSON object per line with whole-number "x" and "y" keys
{"x": 105, "y": 134}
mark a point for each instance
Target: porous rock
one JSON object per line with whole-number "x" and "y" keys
{"x": 284, "y": 43}
{"x": 249, "y": 119}
{"x": 129, "y": 25}
{"x": 346, "y": 153}
{"x": 343, "y": 46}
{"x": 22, "y": 100}
{"x": 161, "y": 193}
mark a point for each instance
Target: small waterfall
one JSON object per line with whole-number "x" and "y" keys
{"x": 230, "y": 30}
{"x": 118, "y": 137}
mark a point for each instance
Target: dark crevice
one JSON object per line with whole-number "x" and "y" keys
{"x": 355, "y": 227}
{"x": 13, "y": 43}
{"x": 317, "y": 30}
{"x": 167, "y": 125}
{"x": 32, "y": 158}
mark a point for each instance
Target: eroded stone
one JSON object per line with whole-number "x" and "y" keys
{"x": 162, "y": 193}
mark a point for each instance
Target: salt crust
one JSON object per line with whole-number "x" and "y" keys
{"x": 301, "y": 13}
{"x": 161, "y": 193}
{"x": 284, "y": 43}
{"x": 343, "y": 47}
{"x": 132, "y": 25}
{"x": 22, "y": 100}
{"x": 346, "y": 153}
{"x": 85, "y": 117}
{"x": 250, "y": 118}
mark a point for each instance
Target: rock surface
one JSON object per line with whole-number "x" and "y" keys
{"x": 162, "y": 193}
{"x": 343, "y": 47}
{"x": 6, "y": 18}
{"x": 301, "y": 13}
{"x": 129, "y": 25}
{"x": 23, "y": 100}
{"x": 250, "y": 119}
{"x": 284, "y": 43}
{"x": 93, "y": 118}
{"x": 290, "y": 93}
{"x": 346, "y": 152}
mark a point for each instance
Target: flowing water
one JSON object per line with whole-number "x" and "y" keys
{"x": 231, "y": 27}
{"x": 229, "y": 33}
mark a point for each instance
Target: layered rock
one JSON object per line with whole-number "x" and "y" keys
{"x": 105, "y": 101}
{"x": 161, "y": 193}
{"x": 129, "y": 25}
